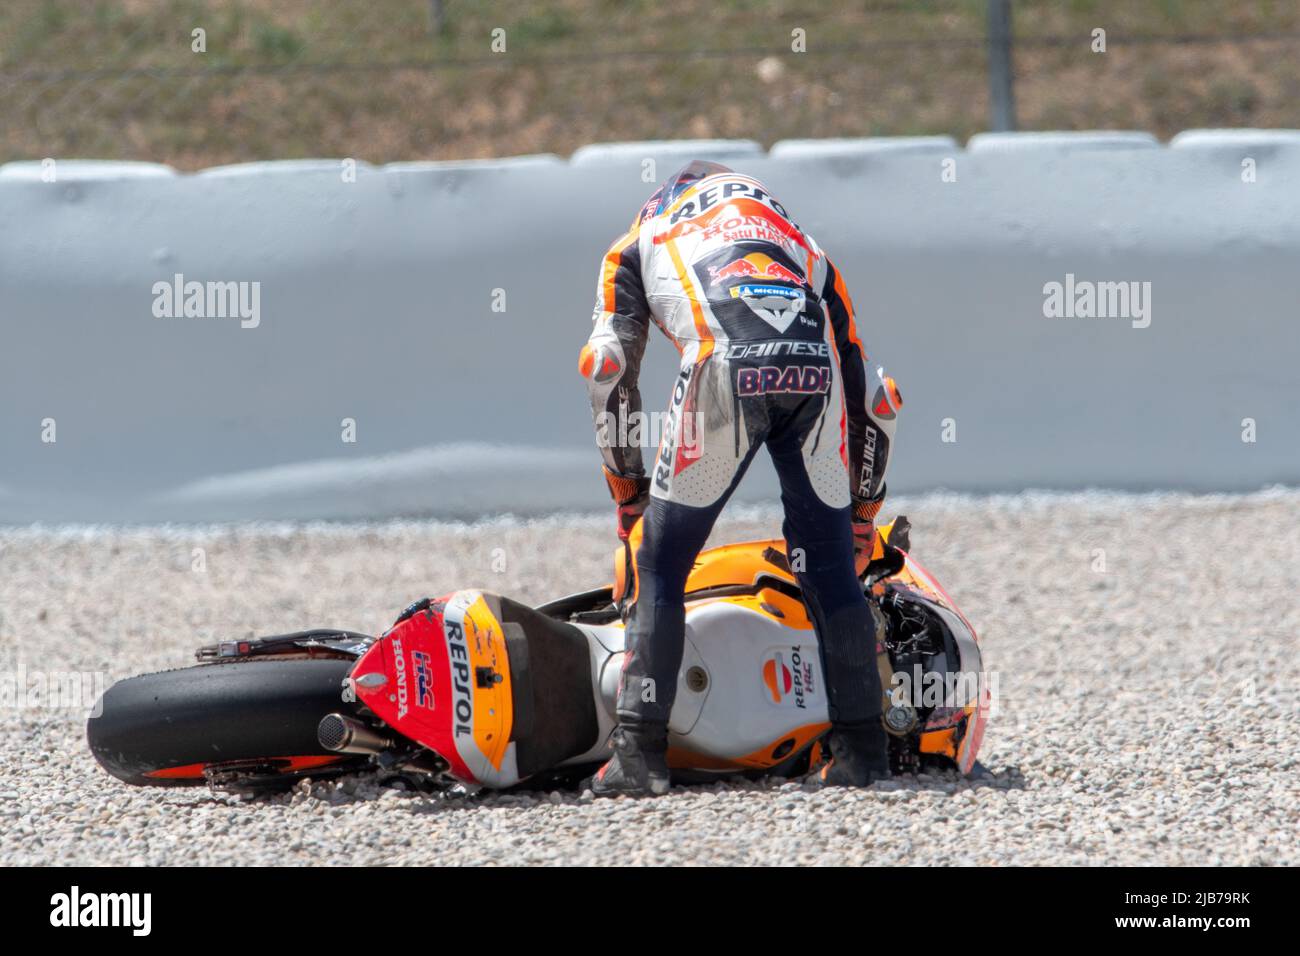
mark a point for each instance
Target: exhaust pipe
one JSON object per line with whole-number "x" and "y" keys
{"x": 346, "y": 735}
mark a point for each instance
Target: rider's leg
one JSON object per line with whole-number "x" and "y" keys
{"x": 688, "y": 489}
{"x": 818, "y": 532}
{"x": 671, "y": 535}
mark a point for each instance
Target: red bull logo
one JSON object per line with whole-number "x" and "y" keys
{"x": 756, "y": 265}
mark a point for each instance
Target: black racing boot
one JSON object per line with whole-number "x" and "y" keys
{"x": 859, "y": 755}
{"x": 639, "y": 767}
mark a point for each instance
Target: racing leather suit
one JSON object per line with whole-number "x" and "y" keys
{"x": 769, "y": 356}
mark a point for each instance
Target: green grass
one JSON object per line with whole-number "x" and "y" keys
{"x": 367, "y": 78}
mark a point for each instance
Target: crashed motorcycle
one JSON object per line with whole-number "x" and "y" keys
{"x": 476, "y": 690}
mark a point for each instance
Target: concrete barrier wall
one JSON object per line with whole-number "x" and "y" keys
{"x": 377, "y": 305}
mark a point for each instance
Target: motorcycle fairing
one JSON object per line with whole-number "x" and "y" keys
{"x": 690, "y": 699}
{"x": 958, "y": 733}
{"x": 462, "y": 677}
{"x": 765, "y": 684}
{"x": 955, "y": 732}
{"x": 750, "y": 647}
{"x": 448, "y": 686}
{"x": 744, "y": 563}
{"x": 748, "y": 563}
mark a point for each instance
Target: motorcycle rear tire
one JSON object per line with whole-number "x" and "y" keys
{"x": 165, "y": 729}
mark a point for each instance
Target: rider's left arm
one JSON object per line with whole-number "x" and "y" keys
{"x": 872, "y": 403}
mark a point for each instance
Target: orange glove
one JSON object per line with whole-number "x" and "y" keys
{"x": 631, "y": 495}
{"x": 864, "y": 532}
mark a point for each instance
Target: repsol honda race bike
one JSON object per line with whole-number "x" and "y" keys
{"x": 477, "y": 690}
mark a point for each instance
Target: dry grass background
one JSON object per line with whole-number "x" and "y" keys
{"x": 372, "y": 80}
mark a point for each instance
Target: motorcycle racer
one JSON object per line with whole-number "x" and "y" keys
{"x": 769, "y": 356}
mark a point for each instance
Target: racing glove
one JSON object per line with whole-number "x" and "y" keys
{"x": 631, "y": 495}
{"x": 864, "y": 530}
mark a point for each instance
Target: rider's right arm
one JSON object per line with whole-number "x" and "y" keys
{"x": 611, "y": 359}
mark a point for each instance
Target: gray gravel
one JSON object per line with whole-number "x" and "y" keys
{"x": 1148, "y": 711}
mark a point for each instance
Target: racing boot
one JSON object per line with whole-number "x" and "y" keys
{"x": 859, "y": 755}
{"x": 639, "y": 767}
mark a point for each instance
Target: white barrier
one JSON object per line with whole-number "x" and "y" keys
{"x": 378, "y": 289}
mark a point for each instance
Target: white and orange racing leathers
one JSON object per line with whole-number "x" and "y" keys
{"x": 769, "y": 356}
